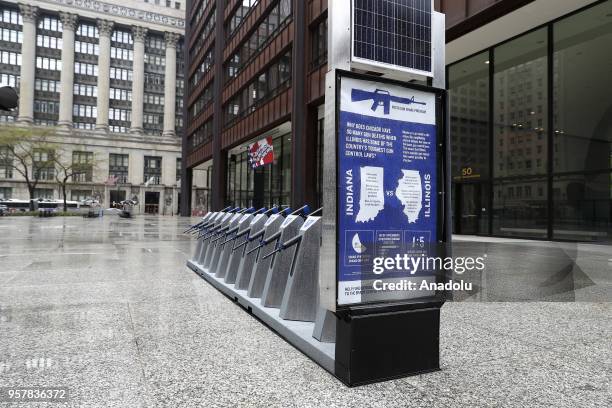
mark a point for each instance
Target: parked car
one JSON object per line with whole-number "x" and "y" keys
{"x": 3, "y": 209}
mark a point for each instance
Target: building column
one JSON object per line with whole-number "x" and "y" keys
{"x": 105, "y": 29}
{"x": 303, "y": 180}
{"x": 170, "y": 85}
{"x": 29, "y": 14}
{"x": 140, "y": 34}
{"x": 69, "y": 23}
{"x": 219, "y": 175}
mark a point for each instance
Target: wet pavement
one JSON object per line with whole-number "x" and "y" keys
{"x": 107, "y": 308}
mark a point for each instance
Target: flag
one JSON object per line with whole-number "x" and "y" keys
{"x": 261, "y": 152}
{"x": 111, "y": 180}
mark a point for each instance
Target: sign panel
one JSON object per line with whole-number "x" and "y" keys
{"x": 261, "y": 152}
{"x": 387, "y": 188}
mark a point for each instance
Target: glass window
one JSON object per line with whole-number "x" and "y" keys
{"x": 515, "y": 213}
{"x": 518, "y": 63}
{"x": 583, "y": 207}
{"x": 319, "y": 45}
{"x": 582, "y": 83}
{"x": 470, "y": 129}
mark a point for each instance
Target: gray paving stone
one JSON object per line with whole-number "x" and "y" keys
{"x": 108, "y": 308}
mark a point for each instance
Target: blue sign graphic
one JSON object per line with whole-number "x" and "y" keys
{"x": 387, "y": 180}
{"x": 380, "y": 97}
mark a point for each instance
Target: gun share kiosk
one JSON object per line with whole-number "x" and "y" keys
{"x": 386, "y": 176}
{"x": 350, "y": 284}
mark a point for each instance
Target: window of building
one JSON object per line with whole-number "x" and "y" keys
{"x": 80, "y": 195}
{"x": 318, "y": 55}
{"x": 119, "y": 167}
{"x": 47, "y": 41}
{"x": 43, "y": 194}
{"x": 178, "y": 168}
{"x": 117, "y": 128}
{"x": 51, "y": 107}
{"x": 152, "y": 169}
{"x": 82, "y": 165}
{"x": 9, "y": 35}
{"x": 152, "y": 119}
{"x": 199, "y": 13}
{"x": 88, "y": 48}
{"x": 121, "y": 74}
{"x": 50, "y": 24}
{"x": 14, "y": 58}
{"x": 84, "y": 111}
{"x": 43, "y": 165}
{"x": 123, "y": 37}
{"x": 238, "y": 15}
{"x": 274, "y": 183}
{"x": 46, "y": 85}
{"x": 202, "y": 135}
{"x": 84, "y": 125}
{"x": 85, "y": 90}
{"x": 124, "y": 115}
{"x": 577, "y": 184}
{"x": 120, "y": 94}
{"x": 464, "y": 76}
{"x": 265, "y": 86}
{"x": 519, "y": 61}
{"x": 6, "y": 193}
{"x": 267, "y": 29}
{"x": 10, "y": 80}
{"x": 88, "y": 30}
{"x": 582, "y": 127}
{"x": 83, "y": 68}
{"x": 153, "y": 99}
{"x": 11, "y": 17}
{"x": 154, "y": 79}
{"x": 202, "y": 102}
{"x": 6, "y": 163}
{"x": 122, "y": 54}
{"x": 207, "y": 29}
{"x": 204, "y": 67}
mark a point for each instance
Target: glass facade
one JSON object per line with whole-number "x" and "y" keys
{"x": 265, "y": 186}
{"x": 531, "y": 130}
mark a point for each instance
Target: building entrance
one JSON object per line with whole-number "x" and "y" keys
{"x": 151, "y": 202}
{"x": 471, "y": 213}
{"x": 117, "y": 196}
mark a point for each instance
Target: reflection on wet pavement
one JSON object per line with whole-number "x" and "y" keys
{"x": 107, "y": 308}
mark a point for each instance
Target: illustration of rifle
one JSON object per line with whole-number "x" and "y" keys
{"x": 381, "y": 97}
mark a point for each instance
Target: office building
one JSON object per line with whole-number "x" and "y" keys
{"x": 531, "y": 122}
{"x": 531, "y": 125}
{"x": 255, "y": 70}
{"x": 103, "y": 81}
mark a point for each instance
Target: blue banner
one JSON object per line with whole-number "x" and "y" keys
{"x": 387, "y": 184}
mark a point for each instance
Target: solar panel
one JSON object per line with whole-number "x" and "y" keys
{"x": 393, "y": 32}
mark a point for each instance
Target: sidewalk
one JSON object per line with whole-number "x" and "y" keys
{"x": 108, "y": 308}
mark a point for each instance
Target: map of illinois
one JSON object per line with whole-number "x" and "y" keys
{"x": 410, "y": 194}
{"x": 371, "y": 197}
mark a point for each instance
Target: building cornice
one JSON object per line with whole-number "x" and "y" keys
{"x": 101, "y": 8}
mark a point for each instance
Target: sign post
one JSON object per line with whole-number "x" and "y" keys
{"x": 390, "y": 178}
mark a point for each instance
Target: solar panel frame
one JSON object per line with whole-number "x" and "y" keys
{"x": 406, "y": 47}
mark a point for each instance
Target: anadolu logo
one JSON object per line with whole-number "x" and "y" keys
{"x": 357, "y": 245}
{"x": 381, "y": 97}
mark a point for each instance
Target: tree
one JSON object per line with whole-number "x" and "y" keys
{"x": 23, "y": 152}
{"x": 81, "y": 165}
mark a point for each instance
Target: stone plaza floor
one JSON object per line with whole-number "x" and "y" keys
{"x": 107, "y": 308}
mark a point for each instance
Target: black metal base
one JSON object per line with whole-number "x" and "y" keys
{"x": 379, "y": 346}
